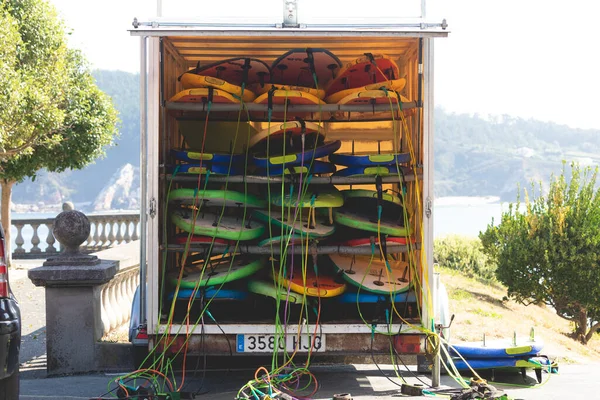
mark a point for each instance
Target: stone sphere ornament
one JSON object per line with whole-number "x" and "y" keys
{"x": 71, "y": 229}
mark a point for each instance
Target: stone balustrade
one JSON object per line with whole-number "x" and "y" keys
{"x": 87, "y": 296}
{"x": 34, "y": 238}
{"x": 117, "y": 297}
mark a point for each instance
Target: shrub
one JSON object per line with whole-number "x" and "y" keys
{"x": 549, "y": 250}
{"x": 464, "y": 254}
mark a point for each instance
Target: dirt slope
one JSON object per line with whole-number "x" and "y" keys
{"x": 479, "y": 308}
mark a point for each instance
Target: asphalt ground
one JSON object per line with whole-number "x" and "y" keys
{"x": 32, "y": 303}
{"x": 362, "y": 381}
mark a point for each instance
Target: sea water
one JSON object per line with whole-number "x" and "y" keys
{"x": 451, "y": 215}
{"x": 467, "y": 218}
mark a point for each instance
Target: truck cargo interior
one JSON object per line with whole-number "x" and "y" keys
{"x": 213, "y": 317}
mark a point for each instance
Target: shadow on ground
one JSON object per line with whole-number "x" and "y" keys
{"x": 33, "y": 345}
{"x": 363, "y": 382}
{"x": 32, "y": 355}
{"x": 488, "y": 299}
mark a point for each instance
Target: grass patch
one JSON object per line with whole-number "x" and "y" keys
{"x": 567, "y": 360}
{"x": 479, "y": 309}
{"x": 464, "y": 254}
{"x": 488, "y": 314}
{"x": 459, "y": 294}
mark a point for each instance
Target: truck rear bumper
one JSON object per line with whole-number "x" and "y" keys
{"x": 343, "y": 344}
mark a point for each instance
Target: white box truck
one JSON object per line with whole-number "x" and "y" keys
{"x": 247, "y": 327}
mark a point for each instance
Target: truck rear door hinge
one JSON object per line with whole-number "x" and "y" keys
{"x": 152, "y": 208}
{"x": 428, "y": 208}
{"x": 290, "y": 14}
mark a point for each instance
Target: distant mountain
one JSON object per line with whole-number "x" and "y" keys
{"x": 474, "y": 156}
{"x": 122, "y": 192}
{"x": 477, "y": 157}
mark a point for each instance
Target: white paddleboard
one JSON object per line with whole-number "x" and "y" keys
{"x": 372, "y": 274}
{"x": 215, "y": 198}
{"x": 357, "y": 220}
{"x": 225, "y": 227}
{"x": 218, "y": 271}
{"x": 319, "y": 226}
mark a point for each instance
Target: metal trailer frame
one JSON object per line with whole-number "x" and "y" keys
{"x": 150, "y": 33}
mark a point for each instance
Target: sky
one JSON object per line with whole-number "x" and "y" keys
{"x": 526, "y": 58}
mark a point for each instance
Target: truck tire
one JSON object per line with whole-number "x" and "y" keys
{"x": 9, "y": 387}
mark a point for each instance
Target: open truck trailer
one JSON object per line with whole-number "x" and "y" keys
{"x": 258, "y": 324}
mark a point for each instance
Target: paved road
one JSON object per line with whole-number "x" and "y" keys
{"x": 362, "y": 381}
{"x": 33, "y": 315}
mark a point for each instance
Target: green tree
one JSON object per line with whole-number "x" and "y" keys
{"x": 53, "y": 114}
{"x": 548, "y": 249}
{"x": 32, "y": 62}
{"x": 464, "y": 254}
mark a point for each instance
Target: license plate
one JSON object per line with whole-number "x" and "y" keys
{"x": 267, "y": 343}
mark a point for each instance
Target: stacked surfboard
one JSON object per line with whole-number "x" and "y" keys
{"x": 209, "y": 215}
{"x": 299, "y": 77}
{"x": 378, "y": 222}
{"x": 288, "y": 219}
{"x": 294, "y": 222}
{"x": 292, "y": 148}
{"x": 213, "y": 217}
{"x": 224, "y": 82}
{"x": 294, "y": 215}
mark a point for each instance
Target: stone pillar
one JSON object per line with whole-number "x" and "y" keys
{"x": 73, "y": 283}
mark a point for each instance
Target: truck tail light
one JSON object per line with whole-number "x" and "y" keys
{"x": 142, "y": 333}
{"x": 3, "y": 281}
{"x": 3, "y": 268}
{"x": 408, "y": 344}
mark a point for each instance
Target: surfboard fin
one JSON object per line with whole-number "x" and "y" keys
{"x": 270, "y": 98}
{"x": 310, "y": 59}
{"x": 248, "y": 225}
{"x": 261, "y": 78}
{"x": 245, "y": 68}
{"x": 332, "y": 68}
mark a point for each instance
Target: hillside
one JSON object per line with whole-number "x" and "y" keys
{"x": 479, "y": 309}
{"x": 474, "y": 156}
{"x": 489, "y": 157}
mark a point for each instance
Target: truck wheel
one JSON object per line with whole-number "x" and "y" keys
{"x": 9, "y": 387}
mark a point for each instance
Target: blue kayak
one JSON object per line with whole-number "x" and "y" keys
{"x": 497, "y": 348}
{"x": 217, "y": 169}
{"x": 297, "y": 157}
{"x": 317, "y": 167}
{"x": 515, "y": 362}
{"x": 210, "y": 293}
{"x": 366, "y": 297}
{"x": 194, "y": 156}
{"x": 362, "y": 171}
{"x": 369, "y": 159}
